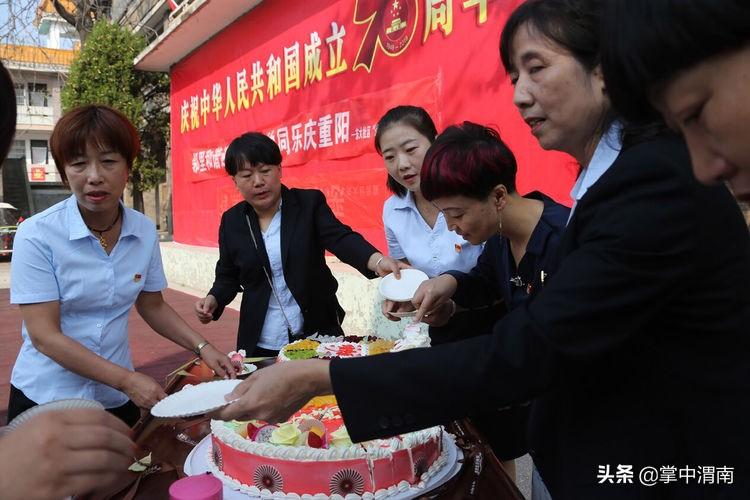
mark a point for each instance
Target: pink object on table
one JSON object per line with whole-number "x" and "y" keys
{"x": 201, "y": 487}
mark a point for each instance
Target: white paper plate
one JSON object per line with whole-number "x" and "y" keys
{"x": 247, "y": 369}
{"x": 197, "y": 462}
{"x": 61, "y": 404}
{"x": 195, "y": 399}
{"x": 403, "y": 314}
{"x": 401, "y": 290}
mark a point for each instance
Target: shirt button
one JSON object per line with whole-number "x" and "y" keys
{"x": 98, "y": 325}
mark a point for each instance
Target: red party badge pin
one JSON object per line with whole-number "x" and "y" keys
{"x": 458, "y": 247}
{"x": 137, "y": 277}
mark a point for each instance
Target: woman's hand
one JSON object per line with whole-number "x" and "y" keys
{"x": 388, "y": 306}
{"x": 218, "y": 362}
{"x": 144, "y": 391}
{"x": 275, "y": 393}
{"x": 63, "y": 453}
{"x": 204, "y": 309}
{"x": 383, "y": 265}
{"x": 431, "y": 295}
{"x": 440, "y": 315}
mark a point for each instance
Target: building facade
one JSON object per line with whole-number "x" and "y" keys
{"x": 30, "y": 180}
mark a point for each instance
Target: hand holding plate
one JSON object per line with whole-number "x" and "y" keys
{"x": 432, "y": 294}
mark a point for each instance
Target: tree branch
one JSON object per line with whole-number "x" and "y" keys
{"x": 69, "y": 17}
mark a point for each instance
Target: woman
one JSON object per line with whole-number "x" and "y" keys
{"x": 629, "y": 364}
{"x": 470, "y": 175}
{"x": 692, "y": 67}
{"x": 272, "y": 248}
{"x": 77, "y": 270}
{"x": 38, "y": 457}
{"x": 415, "y": 229}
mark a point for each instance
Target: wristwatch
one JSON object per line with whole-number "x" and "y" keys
{"x": 200, "y": 346}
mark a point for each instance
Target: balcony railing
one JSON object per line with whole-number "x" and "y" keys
{"x": 35, "y": 115}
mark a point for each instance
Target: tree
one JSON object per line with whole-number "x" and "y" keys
{"x": 83, "y": 14}
{"x": 103, "y": 73}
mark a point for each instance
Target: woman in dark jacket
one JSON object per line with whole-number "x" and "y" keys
{"x": 272, "y": 248}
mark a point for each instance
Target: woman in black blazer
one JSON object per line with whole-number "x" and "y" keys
{"x": 636, "y": 353}
{"x": 288, "y": 291}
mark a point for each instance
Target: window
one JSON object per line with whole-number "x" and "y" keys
{"x": 39, "y": 154}
{"x": 38, "y": 94}
{"x": 20, "y": 89}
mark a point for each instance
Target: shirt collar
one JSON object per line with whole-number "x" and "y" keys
{"x": 78, "y": 228}
{"x": 606, "y": 153}
{"x": 406, "y": 201}
{"x": 538, "y": 239}
{"x": 249, "y": 210}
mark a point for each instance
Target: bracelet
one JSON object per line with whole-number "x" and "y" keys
{"x": 200, "y": 346}
{"x": 378, "y": 262}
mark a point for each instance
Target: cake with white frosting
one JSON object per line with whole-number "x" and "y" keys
{"x": 326, "y": 347}
{"x": 310, "y": 456}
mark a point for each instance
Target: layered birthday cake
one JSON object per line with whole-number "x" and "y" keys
{"x": 311, "y": 455}
{"x": 327, "y": 347}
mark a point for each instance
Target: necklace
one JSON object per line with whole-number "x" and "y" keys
{"x": 102, "y": 241}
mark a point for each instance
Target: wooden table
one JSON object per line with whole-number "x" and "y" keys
{"x": 171, "y": 440}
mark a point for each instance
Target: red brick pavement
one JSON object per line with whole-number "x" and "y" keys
{"x": 152, "y": 354}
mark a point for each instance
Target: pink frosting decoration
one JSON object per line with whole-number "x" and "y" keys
{"x": 340, "y": 350}
{"x": 237, "y": 359}
{"x": 201, "y": 487}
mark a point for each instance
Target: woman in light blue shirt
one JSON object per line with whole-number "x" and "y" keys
{"x": 415, "y": 229}
{"x": 79, "y": 267}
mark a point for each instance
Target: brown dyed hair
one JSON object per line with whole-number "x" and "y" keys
{"x": 101, "y": 126}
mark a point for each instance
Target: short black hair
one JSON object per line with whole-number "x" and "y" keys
{"x": 252, "y": 147}
{"x": 7, "y": 112}
{"x": 415, "y": 117}
{"x": 572, "y": 24}
{"x": 467, "y": 160}
{"x": 648, "y": 42}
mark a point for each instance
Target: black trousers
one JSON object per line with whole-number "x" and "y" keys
{"x": 19, "y": 403}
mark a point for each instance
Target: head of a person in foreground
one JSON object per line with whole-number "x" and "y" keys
{"x": 7, "y": 112}
{"x": 689, "y": 62}
{"x": 469, "y": 174}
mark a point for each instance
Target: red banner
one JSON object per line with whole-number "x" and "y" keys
{"x": 316, "y": 75}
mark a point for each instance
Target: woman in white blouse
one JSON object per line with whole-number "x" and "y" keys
{"x": 415, "y": 229}
{"x": 78, "y": 269}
